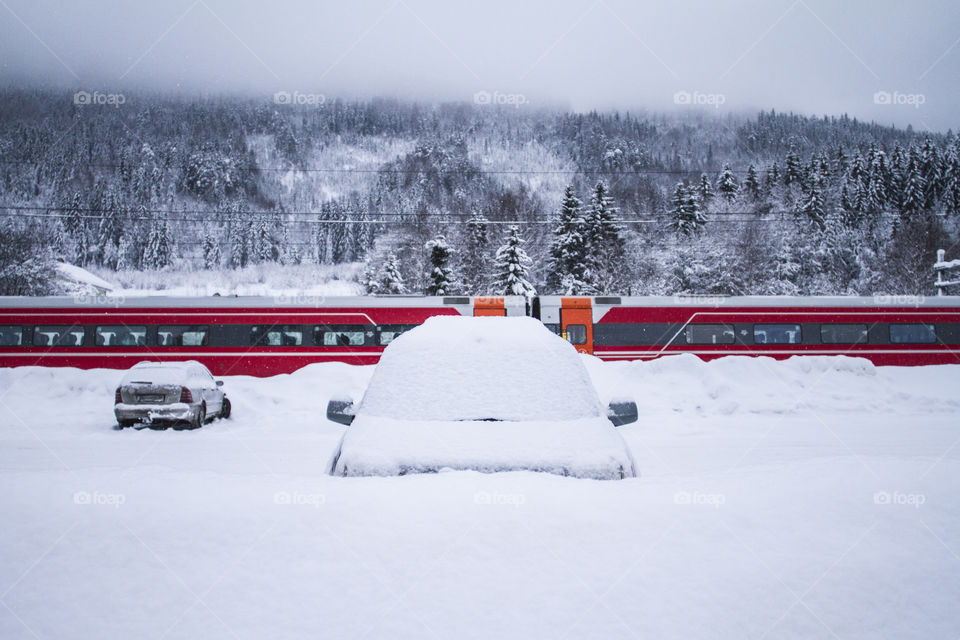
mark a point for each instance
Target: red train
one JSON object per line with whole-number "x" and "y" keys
{"x": 268, "y": 336}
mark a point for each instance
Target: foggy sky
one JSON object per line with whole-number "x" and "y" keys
{"x": 810, "y": 56}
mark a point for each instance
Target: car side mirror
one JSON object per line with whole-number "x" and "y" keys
{"x": 340, "y": 411}
{"x": 621, "y": 412}
{"x": 219, "y": 383}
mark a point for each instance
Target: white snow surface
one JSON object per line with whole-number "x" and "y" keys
{"x": 810, "y": 498}
{"x": 79, "y": 279}
{"x": 461, "y": 368}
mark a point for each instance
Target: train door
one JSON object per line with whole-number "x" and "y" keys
{"x": 576, "y": 323}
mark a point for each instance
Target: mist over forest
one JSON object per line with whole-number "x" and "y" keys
{"x": 473, "y": 198}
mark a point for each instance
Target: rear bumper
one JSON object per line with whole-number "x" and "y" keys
{"x": 176, "y": 412}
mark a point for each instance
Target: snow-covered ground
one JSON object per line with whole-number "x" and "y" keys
{"x": 267, "y": 279}
{"x": 812, "y": 498}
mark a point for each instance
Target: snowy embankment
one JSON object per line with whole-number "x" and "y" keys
{"x": 815, "y": 497}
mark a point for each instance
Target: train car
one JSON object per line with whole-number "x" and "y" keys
{"x": 259, "y": 336}
{"x": 887, "y": 330}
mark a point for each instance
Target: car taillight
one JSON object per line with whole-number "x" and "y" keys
{"x": 185, "y": 396}
{"x": 117, "y": 399}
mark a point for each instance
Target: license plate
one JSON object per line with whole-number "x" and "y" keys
{"x": 150, "y": 398}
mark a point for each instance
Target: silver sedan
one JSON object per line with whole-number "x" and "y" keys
{"x": 175, "y": 393}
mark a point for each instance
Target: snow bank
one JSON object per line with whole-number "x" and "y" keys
{"x": 78, "y": 279}
{"x": 456, "y": 368}
{"x": 827, "y": 481}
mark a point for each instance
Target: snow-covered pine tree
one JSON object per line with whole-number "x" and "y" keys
{"x": 814, "y": 204}
{"x": 705, "y": 191}
{"x": 390, "y": 280}
{"x": 159, "y": 250}
{"x": 793, "y": 172}
{"x": 440, "y": 278}
{"x": 569, "y": 258}
{"x": 685, "y": 212}
{"x": 511, "y": 267}
{"x": 913, "y": 196}
{"x": 211, "y": 249}
{"x": 474, "y": 265}
{"x": 752, "y": 182}
{"x": 727, "y": 185}
{"x": 605, "y": 243}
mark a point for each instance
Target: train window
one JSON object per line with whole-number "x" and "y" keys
{"x": 11, "y": 336}
{"x": 182, "y": 335}
{"x": 58, "y": 336}
{"x": 843, "y": 333}
{"x": 349, "y": 335}
{"x": 709, "y": 334}
{"x": 387, "y": 333}
{"x": 577, "y": 333}
{"x": 912, "y": 334}
{"x": 777, "y": 334}
{"x": 287, "y": 335}
{"x": 121, "y": 336}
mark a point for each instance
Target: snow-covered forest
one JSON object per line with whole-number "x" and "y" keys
{"x": 469, "y": 198}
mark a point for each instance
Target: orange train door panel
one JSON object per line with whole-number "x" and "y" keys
{"x": 489, "y": 307}
{"x": 576, "y": 323}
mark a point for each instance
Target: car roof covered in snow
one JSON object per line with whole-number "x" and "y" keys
{"x": 480, "y": 368}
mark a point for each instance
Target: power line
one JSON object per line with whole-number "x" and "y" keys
{"x": 443, "y": 171}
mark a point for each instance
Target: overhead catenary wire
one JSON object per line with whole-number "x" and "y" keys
{"x": 385, "y": 217}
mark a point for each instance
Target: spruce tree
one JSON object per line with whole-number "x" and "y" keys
{"x": 705, "y": 191}
{"x": 569, "y": 269}
{"x": 441, "y": 280}
{"x": 686, "y": 214}
{"x": 814, "y": 206}
{"x": 605, "y": 243}
{"x": 473, "y": 257}
{"x": 511, "y": 267}
{"x": 727, "y": 185}
{"x": 390, "y": 279}
{"x": 752, "y": 182}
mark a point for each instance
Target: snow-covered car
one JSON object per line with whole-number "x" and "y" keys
{"x": 169, "y": 393}
{"x": 487, "y": 394}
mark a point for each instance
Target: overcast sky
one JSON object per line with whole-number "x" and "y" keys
{"x": 810, "y": 56}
